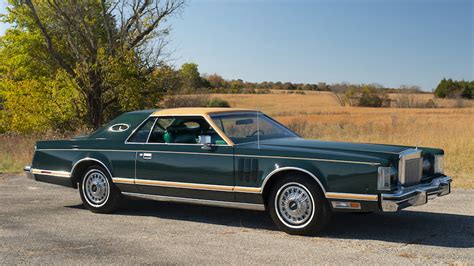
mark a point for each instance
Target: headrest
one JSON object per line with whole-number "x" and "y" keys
{"x": 176, "y": 128}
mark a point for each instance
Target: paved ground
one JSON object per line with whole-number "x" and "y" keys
{"x": 42, "y": 223}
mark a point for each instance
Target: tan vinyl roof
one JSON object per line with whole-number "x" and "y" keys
{"x": 198, "y": 111}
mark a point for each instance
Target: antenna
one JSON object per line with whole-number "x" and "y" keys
{"x": 258, "y": 130}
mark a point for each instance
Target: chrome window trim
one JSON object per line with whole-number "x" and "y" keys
{"x": 151, "y": 130}
{"x": 178, "y": 144}
{"x": 156, "y": 119}
{"x": 136, "y": 128}
{"x": 207, "y": 118}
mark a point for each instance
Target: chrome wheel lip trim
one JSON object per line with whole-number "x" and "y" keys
{"x": 95, "y": 205}
{"x": 277, "y": 207}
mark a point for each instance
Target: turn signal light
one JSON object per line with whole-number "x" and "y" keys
{"x": 346, "y": 205}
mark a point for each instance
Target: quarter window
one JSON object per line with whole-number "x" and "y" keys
{"x": 141, "y": 135}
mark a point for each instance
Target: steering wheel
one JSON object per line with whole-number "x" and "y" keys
{"x": 257, "y": 131}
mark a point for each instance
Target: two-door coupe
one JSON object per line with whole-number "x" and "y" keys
{"x": 238, "y": 158}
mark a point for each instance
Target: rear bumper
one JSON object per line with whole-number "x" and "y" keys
{"x": 416, "y": 195}
{"x": 28, "y": 172}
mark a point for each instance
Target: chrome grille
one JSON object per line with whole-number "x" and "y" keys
{"x": 410, "y": 167}
{"x": 413, "y": 170}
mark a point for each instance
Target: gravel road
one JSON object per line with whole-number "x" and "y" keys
{"x": 46, "y": 224}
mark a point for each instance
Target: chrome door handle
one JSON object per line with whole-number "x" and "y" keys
{"x": 145, "y": 155}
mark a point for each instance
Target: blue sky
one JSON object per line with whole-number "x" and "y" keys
{"x": 414, "y": 42}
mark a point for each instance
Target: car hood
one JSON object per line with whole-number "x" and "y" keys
{"x": 300, "y": 147}
{"x": 335, "y": 146}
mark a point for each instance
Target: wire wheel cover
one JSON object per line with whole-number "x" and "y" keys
{"x": 295, "y": 204}
{"x": 96, "y": 188}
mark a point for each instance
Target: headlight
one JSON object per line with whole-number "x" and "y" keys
{"x": 385, "y": 176}
{"x": 439, "y": 164}
{"x": 427, "y": 166}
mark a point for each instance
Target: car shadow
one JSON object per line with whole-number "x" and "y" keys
{"x": 404, "y": 227}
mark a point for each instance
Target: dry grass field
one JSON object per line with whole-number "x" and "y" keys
{"x": 15, "y": 152}
{"x": 318, "y": 116}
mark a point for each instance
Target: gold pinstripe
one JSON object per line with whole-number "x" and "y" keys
{"x": 50, "y": 172}
{"x": 351, "y": 196}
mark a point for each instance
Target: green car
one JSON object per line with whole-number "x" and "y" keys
{"x": 238, "y": 158}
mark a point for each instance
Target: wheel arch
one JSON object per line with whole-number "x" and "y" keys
{"x": 272, "y": 178}
{"x": 81, "y": 165}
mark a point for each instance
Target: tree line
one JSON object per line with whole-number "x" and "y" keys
{"x": 68, "y": 65}
{"x": 449, "y": 88}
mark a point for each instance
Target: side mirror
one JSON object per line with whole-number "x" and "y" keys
{"x": 204, "y": 139}
{"x": 206, "y": 142}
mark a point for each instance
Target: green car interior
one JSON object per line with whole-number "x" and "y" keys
{"x": 185, "y": 130}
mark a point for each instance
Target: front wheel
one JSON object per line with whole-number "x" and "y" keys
{"x": 298, "y": 206}
{"x": 97, "y": 191}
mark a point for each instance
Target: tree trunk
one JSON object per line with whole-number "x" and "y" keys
{"x": 95, "y": 101}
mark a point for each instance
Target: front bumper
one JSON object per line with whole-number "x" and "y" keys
{"x": 27, "y": 169}
{"x": 416, "y": 195}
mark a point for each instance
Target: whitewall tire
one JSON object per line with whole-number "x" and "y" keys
{"x": 298, "y": 206}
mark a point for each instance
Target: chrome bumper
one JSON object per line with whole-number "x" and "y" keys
{"x": 28, "y": 172}
{"x": 416, "y": 195}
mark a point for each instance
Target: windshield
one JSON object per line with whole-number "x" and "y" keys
{"x": 248, "y": 127}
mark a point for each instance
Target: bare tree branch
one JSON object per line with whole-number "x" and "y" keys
{"x": 106, "y": 17}
{"x": 159, "y": 14}
{"x": 49, "y": 42}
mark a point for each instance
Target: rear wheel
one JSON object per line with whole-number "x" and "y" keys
{"x": 97, "y": 191}
{"x": 298, "y": 206}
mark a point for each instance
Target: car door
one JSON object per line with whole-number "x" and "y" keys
{"x": 178, "y": 166}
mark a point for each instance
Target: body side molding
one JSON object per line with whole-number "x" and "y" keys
{"x": 37, "y": 171}
{"x": 226, "y": 204}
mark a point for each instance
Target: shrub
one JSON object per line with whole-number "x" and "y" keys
{"x": 217, "y": 102}
{"x": 430, "y": 104}
{"x": 368, "y": 99}
{"x": 366, "y": 96}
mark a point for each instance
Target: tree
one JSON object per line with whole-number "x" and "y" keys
{"x": 216, "y": 81}
{"x": 108, "y": 50}
{"x": 34, "y": 98}
{"x": 190, "y": 77}
{"x": 447, "y": 88}
{"x": 339, "y": 91}
{"x": 468, "y": 91}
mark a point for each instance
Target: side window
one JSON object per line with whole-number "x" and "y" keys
{"x": 182, "y": 130}
{"x": 141, "y": 135}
